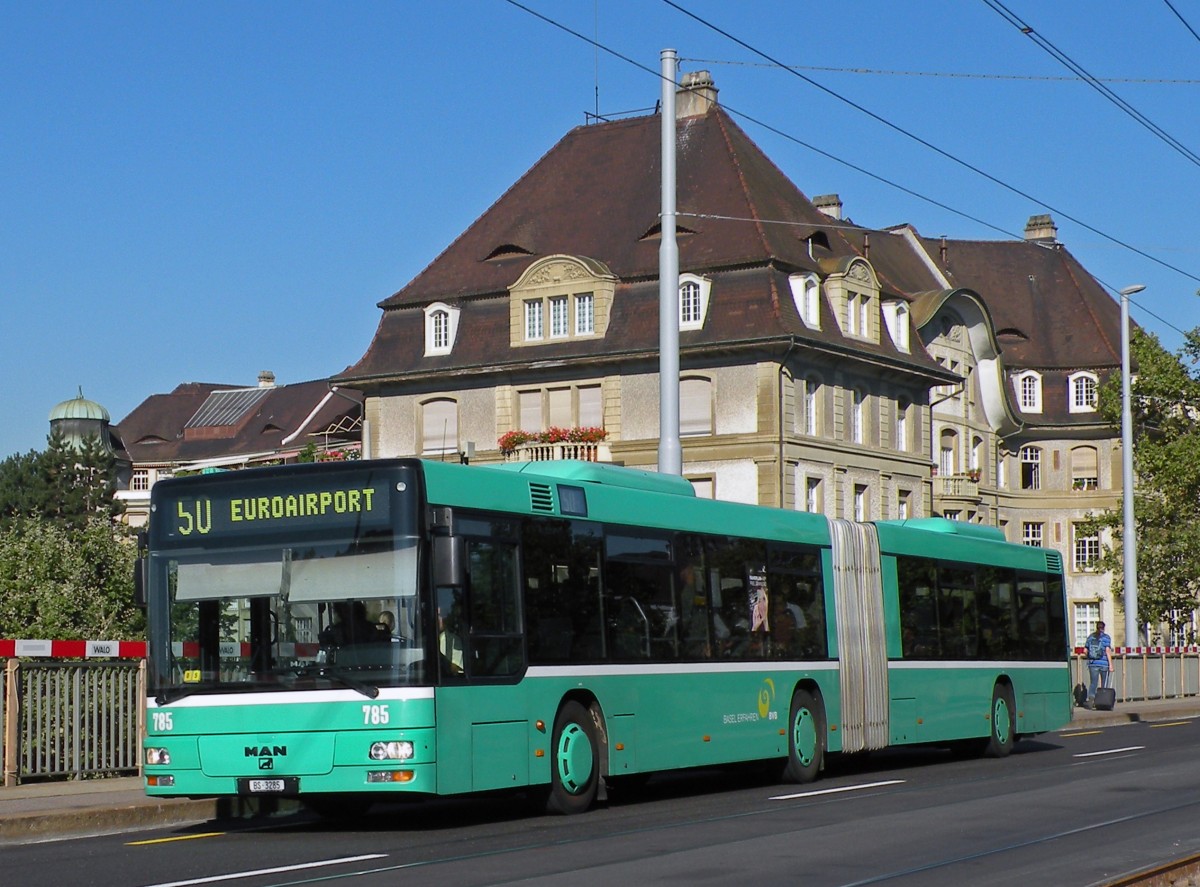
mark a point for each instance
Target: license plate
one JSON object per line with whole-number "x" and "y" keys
{"x": 263, "y": 786}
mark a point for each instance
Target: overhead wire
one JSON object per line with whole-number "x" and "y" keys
{"x": 1056, "y": 53}
{"x": 883, "y": 180}
{"x": 1178, "y": 15}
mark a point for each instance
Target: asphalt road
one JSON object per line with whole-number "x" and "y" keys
{"x": 1074, "y": 808}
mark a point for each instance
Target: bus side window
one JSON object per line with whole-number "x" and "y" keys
{"x": 494, "y": 646}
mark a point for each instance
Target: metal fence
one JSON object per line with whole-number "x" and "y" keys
{"x": 71, "y": 719}
{"x": 1149, "y": 673}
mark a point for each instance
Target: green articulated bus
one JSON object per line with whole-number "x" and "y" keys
{"x": 342, "y": 632}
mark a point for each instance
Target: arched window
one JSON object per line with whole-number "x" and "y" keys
{"x": 439, "y": 426}
{"x": 806, "y": 294}
{"x": 1085, "y": 468}
{"x": 1082, "y": 392}
{"x": 1029, "y": 392}
{"x": 948, "y": 453}
{"x": 441, "y": 327}
{"x": 695, "y": 406}
{"x": 693, "y": 301}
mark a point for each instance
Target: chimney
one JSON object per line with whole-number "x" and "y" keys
{"x": 696, "y": 95}
{"x": 266, "y": 379}
{"x": 1041, "y": 228}
{"x": 830, "y": 204}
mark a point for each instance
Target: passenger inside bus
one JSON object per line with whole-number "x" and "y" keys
{"x": 449, "y": 616}
{"x": 350, "y": 626}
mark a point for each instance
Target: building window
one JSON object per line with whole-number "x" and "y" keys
{"x": 814, "y": 499}
{"x": 857, "y": 418}
{"x": 1085, "y": 468}
{"x": 140, "y": 481}
{"x": 858, "y": 314}
{"x": 585, "y": 314}
{"x": 895, "y": 315}
{"x": 1029, "y": 392}
{"x": 693, "y": 301}
{"x": 806, "y": 294}
{"x": 559, "y": 317}
{"x": 439, "y": 426}
{"x": 565, "y": 407}
{"x": 533, "y": 320}
{"x": 948, "y": 453}
{"x": 902, "y": 407}
{"x": 903, "y": 505}
{"x": 695, "y": 406}
{"x": 952, "y": 515}
{"x": 1087, "y": 614}
{"x": 705, "y": 487}
{"x": 812, "y": 407}
{"x": 1031, "y": 534}
{"x": 1083, "y": 388}
{"x": 441, "y": 327}
{"x": 1031, "y": 468}
{"x": 1086, "y": 550}
{"x": 862, "y": 504}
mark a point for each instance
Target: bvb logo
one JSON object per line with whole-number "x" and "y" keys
{"x": 766, "y": 695}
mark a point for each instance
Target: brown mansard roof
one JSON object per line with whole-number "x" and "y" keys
{"x": 741, "y": 222}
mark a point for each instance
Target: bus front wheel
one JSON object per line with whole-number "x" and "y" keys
{"x": 806, "y": 738}
{"x": 574, "y": 763}
{"x": 1004, "y": 722}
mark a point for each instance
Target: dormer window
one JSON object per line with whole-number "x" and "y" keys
{"x": 806, "y": 294}
{"x": 560, "y": 298}
{"x": 1082, "y": 388}
{"x": 895, "y": 315}
{"x": 1029, "y": 391}
{"x": 853, "y": 291}
{"x": 441, "y": 328}
{"x": 693, "y": 301}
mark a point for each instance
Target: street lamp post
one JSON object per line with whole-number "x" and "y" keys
{"x": 1129, "y": 544}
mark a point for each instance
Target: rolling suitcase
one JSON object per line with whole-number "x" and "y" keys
{"x": 1106, "y": 696}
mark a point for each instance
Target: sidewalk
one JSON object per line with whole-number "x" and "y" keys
{"x": 50, "y": 810}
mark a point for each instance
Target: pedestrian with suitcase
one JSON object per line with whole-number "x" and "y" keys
{"x": 1099, "y": 655}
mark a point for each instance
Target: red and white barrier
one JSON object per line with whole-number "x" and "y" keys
{"x": 72, "y": 649}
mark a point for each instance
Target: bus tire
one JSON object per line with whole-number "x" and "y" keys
{"x": 1003, "y": 718}
{"x": 574, "y": 761}
{"x": 806, "y": 738}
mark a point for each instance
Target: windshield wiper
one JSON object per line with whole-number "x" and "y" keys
{"x": 338, "y": 675}
{"x": 173, "y": 694}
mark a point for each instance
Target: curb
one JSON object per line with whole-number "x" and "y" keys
{"x": 23, "y": 828}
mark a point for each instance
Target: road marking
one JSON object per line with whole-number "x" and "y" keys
{"x": 175, "y": 838}
{"x": 1172, "y": 724}
{"x": 1084, "y": 733}
{"x": 1111, "y": 751}
{"x": 272, "y": 871}
{"x": 833, "y": 791}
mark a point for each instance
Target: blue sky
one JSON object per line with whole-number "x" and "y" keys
{"x": 197, "y": 192}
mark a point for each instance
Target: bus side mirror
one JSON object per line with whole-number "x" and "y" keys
{"x": 449, "y": 556}
{"x": 139, "y": 572}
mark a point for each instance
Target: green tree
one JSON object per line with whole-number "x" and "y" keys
{"x": 65, "y": 582}
{"x": 60, "y": 484}
{"x": 1166, "y": 454}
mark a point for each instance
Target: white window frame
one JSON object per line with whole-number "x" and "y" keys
{"x": 585, "y": 314}
{"x": 902, "y": 407}
{"x": 1082, "y": 391}
{"x": 1084, "y": 616}
{"x": 1033, "y": 534}
{"x": 700, "y": 288}
{"x": 696, "y": 406}
{"x": 861, "y": 502}
{"x": 1085, "y": 550}
{"x": 1031, "y": 455}
{"x": 806, "y": 294}
{"x": 535, "y": 330}
{"x": 139, "y": 481}
{"x": 434, "y": 440}
{"x": 895, "y": 315}
{"x": 812, "y": 406}
{"x": 441, "y": 328}
{"x": 858, "y": 400}
{"x": 560, "y": 317}
{"x": 1028, "y": 386}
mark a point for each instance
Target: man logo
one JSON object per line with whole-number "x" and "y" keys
{"x": 266, "y": 764}
{"x": 266, "y": 751}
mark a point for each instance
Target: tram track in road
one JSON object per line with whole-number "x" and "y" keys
{"x": 1180, "y": 873}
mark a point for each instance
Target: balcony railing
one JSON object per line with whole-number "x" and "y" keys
{"x": 553, "y": 452}
{"x": 956, "y": 486}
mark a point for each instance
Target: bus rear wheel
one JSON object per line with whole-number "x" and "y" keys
{"x": 574, "y": 762}
{"x": 806, "y": 738}
{"x": 1004, "y": 722}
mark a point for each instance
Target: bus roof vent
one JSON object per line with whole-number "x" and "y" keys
{"x": 1053, "y": 560}
{"x": 541, "y": 498}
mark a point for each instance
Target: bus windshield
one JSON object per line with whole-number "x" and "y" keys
{"x": 273, "y": 617}
{"x": 278, "y": 582}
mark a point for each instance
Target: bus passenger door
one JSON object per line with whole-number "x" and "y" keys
{"x": 483, "y": 725}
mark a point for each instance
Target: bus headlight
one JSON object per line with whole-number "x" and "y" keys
{"x": 156, "y": 756}
{"x": 391, "y": 751}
